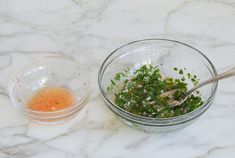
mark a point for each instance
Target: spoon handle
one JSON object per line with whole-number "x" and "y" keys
{"x": 229, "y": 73}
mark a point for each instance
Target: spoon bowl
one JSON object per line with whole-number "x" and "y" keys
{"x": 229, "y": 73}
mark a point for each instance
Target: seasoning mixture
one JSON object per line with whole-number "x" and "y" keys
{"x": 140, "y": 93}
{"x": 49, "y": 99}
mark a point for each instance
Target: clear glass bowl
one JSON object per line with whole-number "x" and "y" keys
{"x": 50, "y": 71}
{"x": 166, "y": 54}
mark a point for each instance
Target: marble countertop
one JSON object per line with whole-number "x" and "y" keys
{"x": 89, "y": 30}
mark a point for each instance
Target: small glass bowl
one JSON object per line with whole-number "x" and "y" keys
{"x": 50, "y": 71}
{"x": 166, "y": 54}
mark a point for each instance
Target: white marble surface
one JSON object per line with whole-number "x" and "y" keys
{"x": 89, "y": 30}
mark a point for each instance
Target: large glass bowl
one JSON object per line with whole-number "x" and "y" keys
{"x": 50, "y": 71}
{"x": 166, "y": 54}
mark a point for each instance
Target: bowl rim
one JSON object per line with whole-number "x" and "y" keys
{"x": 27, "y": 67}
{"x": 101, "y": 72}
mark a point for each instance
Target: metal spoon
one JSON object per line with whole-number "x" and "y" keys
{"x": 229, "y": 73}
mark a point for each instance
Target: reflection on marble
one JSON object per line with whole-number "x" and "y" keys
{"x": 89, "y": 31}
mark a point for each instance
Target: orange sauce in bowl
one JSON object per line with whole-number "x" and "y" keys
{"x": 50, "y": 99}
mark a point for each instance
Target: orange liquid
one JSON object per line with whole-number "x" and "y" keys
{"x": 50, "y": 99}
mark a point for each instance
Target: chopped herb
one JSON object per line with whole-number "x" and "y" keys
{"x": 181, "y": 72}
{"x": 189, "y": 75}
{"x": 113, "y": 83}
{"x": 141, "y": 93}
{"x": 183, "y": 78}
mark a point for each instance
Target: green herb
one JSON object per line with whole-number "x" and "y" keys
{"x": 140, "y": 93}
{"x": 181, "y": 72}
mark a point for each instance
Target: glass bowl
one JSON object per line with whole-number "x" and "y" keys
{"x": 166, "y": 54}
{"x": 50, "y": 71}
